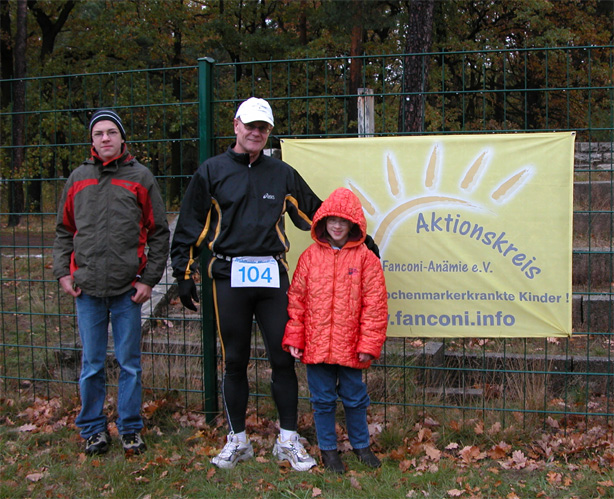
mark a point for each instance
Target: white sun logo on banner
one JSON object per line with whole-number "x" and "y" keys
{"x": 469, "y": 181}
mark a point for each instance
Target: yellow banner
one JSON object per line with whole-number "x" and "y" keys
{"x": 474, "y": 231}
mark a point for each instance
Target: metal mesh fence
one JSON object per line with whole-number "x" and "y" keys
{"x": 512, "y": 381}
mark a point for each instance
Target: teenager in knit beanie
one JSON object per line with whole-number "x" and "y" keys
{"x": 107, "y": 114}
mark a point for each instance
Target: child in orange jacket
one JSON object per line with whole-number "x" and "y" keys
{"x": 338, "y": 312}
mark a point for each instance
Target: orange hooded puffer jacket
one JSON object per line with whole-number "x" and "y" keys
{"x": 337, "y": 300}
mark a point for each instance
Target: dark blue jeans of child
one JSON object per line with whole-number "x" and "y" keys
{"x": 327, "y": 383}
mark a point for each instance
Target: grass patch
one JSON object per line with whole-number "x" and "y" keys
{"x": 45, "y": 459}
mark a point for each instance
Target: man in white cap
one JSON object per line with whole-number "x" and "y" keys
{"x": 235, "y": 205}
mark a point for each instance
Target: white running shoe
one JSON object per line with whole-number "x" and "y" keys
{"x": 233, "y": 452}
{"x": 292, "y": 450}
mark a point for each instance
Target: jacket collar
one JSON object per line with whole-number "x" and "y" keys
{"x": 243, "y": 158}
{"x": 115, "y": 163}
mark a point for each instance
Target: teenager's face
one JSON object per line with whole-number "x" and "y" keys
{"x": 251, "y": 138}
{"x": 107, "y": 140}
{"x": 338, "y": 229}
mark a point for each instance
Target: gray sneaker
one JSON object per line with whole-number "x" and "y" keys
{"x": 133, "y": 443}
{"x": 292, "y": 450}
{"x": 98, "y": 443}
{"x": 233, "y": 452}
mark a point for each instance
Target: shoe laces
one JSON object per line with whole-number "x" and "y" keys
{"x": 96, "y": 438}
{"x": 231, "y": 448}
{"x": 296, "y": 447}
{"x": 131, "y": 438}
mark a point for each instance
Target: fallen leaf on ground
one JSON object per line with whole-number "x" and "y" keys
{"x": 432, "y": 452}
{"x": 35, "y": 477}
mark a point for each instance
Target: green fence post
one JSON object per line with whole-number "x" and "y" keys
{"x": 205, "y": 133}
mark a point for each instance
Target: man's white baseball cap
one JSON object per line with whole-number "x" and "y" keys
{"x": 254, "y": 109}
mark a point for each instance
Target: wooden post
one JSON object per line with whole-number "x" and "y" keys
{"x": 366, "y": 122}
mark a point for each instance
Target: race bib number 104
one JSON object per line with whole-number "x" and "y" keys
{"x": 254, "y": 272}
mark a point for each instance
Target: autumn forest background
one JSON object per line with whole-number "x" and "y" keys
{"x": 532, "y": 453}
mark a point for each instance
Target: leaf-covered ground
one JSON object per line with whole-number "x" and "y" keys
{"x": 41, "y": 455}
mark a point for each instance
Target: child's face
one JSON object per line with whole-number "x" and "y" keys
{"x": 338, "y": 229}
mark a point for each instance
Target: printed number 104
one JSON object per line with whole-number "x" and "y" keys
{"x": 252, "y": 274}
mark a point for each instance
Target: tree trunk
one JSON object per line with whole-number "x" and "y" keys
{"x": 416, "y": 66}
{"x": 50, "y": 29}
{"x": 302, "y": 24}
{"x": 174, "y": 186}
{"x": 6, "y": 55}
{"x": 16, "y": 199}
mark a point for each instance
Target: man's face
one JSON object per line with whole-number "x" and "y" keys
{"x": 251, "y": 138}
{"x": 107, "y": 140}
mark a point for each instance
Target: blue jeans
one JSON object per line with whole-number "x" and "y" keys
{"x": 93, "y": 320}
{"x": 327, "y": 382}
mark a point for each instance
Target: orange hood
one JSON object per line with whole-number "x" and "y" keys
{"x": 345, "y": 204}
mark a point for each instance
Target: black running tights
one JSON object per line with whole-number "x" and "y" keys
{"x": 236, "y": 308}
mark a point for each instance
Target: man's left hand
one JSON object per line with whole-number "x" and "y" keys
{"x": 370, "y": 243}
{"x": 143, "y": 293}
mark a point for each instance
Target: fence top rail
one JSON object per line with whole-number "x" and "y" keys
{"x": 77, "y": 110}
{"x": 438, "y": 53}
{"x": 101, "y": 73}
{"x": 313, "y": 59}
